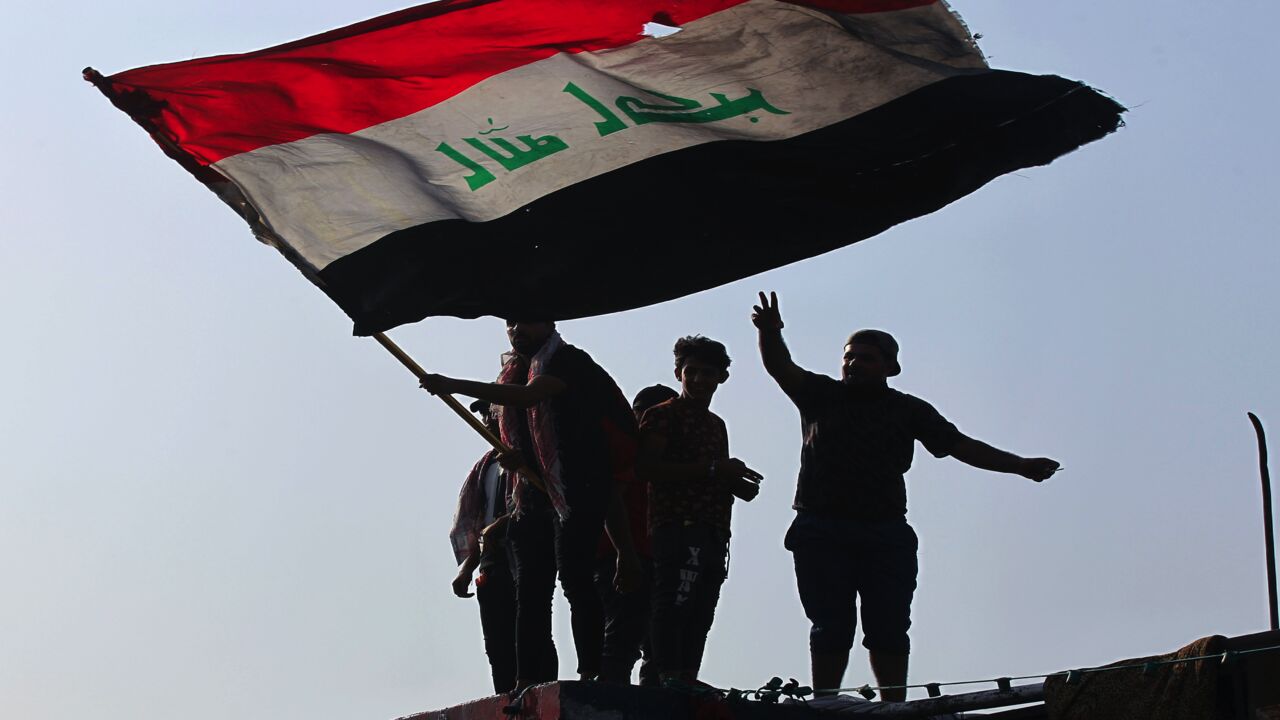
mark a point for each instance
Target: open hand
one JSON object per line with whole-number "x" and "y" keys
{"x": 766, "y": 315}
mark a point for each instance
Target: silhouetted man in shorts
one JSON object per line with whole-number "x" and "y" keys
{"x": 850, "y": 539}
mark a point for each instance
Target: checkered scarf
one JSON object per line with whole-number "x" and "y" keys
{"x": 540, "y": 419}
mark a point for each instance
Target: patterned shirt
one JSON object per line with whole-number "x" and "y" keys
{"x": 694, "y": 434}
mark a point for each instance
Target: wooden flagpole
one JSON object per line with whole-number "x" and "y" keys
{"x": 455, "y": 406}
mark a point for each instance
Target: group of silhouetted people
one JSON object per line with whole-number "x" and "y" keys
{"x": 629, "y": 505}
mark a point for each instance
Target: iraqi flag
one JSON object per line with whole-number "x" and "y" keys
{"x": 559, "y": 158}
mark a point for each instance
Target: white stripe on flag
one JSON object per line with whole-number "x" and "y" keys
{"x": 763, "y": 70}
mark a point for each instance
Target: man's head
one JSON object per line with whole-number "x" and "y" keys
{"x": 651, "y": 396}
{"x": 527, "y": 336}
{"x": 870, "y": 357}
{"x": 702, "y": 364}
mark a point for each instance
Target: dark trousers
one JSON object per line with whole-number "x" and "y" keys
{"x": 690, "y": 563}
{"x": 542, "y": 547}
{"x": 841, "y": 562}
{"x": 496, "y": 594}
{"x": 626, "y": 625}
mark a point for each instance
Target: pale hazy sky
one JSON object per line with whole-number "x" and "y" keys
{"x": 217, "y": 503}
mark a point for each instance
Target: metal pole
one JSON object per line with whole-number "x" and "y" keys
{"x": 932, "y": 707}
{"x": 1267, "y": 524}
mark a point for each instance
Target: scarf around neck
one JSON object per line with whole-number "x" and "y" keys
{"x": 540, "y": 420}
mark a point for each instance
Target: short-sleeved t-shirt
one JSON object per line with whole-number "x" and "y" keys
{"x": 694, "y": 434}
{"x": 592, "y": 419}
{"x": 858, "y": 446}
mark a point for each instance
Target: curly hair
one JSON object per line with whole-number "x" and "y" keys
{"x": 702, "y": 348}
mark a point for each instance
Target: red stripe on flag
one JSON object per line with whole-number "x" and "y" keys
{"x": 854, "y": 7}
{"x": 385, "y": 68}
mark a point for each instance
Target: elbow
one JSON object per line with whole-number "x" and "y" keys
{"x": 963, "y": 451}
{"x": 525, "y": 400}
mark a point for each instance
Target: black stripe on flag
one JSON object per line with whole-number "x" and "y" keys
{"x": 697, "y": 218}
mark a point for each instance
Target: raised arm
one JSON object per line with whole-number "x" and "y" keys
{"x": 981, "y": 455}
{"x": 517, "y": 396}
{"x": 773, "y": 351}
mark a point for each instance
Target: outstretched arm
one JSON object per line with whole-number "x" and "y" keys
{"x": 773, "y": 351}
{"x": 517, "y": 396}
{"x": 983, "y": 456}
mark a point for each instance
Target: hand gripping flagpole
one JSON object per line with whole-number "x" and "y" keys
{"x": 455, "y": 406}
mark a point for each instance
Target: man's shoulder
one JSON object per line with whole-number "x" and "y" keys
{"x": 913, "y": 405}
{"x": 817, "y": 382}
{"x": 571, "y": 356}
{"x": 904, "y": 398}
{"x": 570, "y": 359}
{"x": 907, "y": 399}
{"x": 579, "y": 370}
{"x": 658, "y": 412}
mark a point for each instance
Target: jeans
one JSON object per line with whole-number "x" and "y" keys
{"x": 496, "y": 595}
{"x": 542, "y": 547}
{"x": 690, "y": 563}
{"x": 626, "y": 625}
{"x": 841, "y": 561}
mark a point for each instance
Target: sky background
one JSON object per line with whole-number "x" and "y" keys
{"x": 216, "y": 502}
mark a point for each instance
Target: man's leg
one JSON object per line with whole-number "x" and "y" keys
{"x": 496, "y": 594}
{"x": 531, "y": 539}
{"x": 609, "y": 599}
{"x": 708, "y": 550}
{"x": 576, "y": 541}
{"x": 889, "y": 584}
{"x": 890, "y": 669}
{"x": 648, "y": 671}
{"x": 827, "y": 668}
{"x": 826, "y": 576}
{"x": 667, "y": 619}
{"x": 626, "y": 621}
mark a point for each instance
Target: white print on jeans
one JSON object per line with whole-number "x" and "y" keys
{"x": 687, "y": 578}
